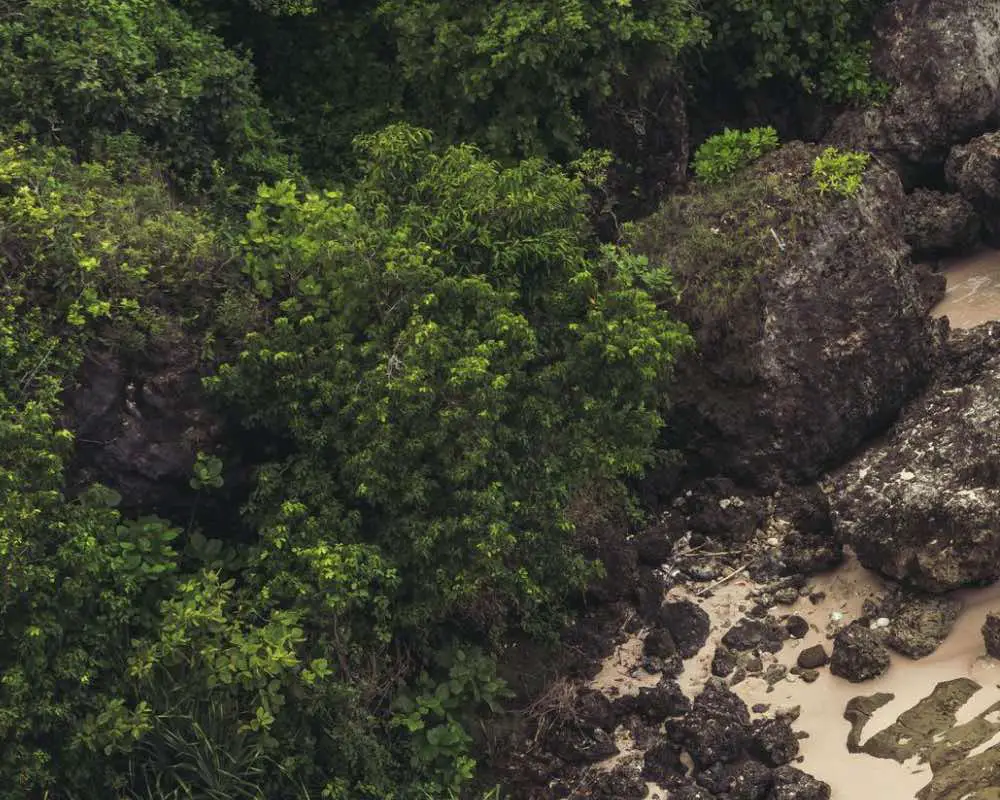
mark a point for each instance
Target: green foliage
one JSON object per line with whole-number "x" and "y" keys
{"x": 86, "y": 72}
{"x": 207, "y": 472}
{"x": 819, "y": 44}
{"x": 839, "y": 172}
{"x": 721, "y": 156}
{"x": 441, "y": 338}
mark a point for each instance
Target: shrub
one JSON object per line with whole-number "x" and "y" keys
{"x": 839, "y": 172}
{"x": 723, "y": 155}
{"x": 85, "y": 72}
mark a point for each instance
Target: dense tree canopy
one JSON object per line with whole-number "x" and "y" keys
{"x": 422, "y": 355}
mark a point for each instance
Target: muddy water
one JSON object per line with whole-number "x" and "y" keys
{"x": 973, "y": 293}
{"x": 855, "y": 775}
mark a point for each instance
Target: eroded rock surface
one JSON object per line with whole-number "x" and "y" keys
{"x": 939, "y": 223}
{"x": 942, "y": 58}
{"x": 923, "y": 507}
{"x": 973, "y": 169}
{"x": 820, "y": 333}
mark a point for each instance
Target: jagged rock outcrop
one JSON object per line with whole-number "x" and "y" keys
{"x": 973, "y": 170}
{"x": 139, "y": 424}
{"x": 923, "y": 507}
{"x": 942, "y": 60}
{"x": 811, "y": 326}
{"x": 939, "y": 223}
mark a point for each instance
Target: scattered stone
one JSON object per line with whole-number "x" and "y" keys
{"x": 794, "y": 784}
{"x": 724, "y": 662}
{"x": 858, "y": 654}
{"x": 813, "y": 657}
{"x": 809, "y": 675}
{"x": 753, "y": 665}
{"x": 786, "y": 596}
{"x": 659, "y": 643}
{"x": 581, "y": 746}
{"x": 718, "y": 727}
{"x": 622, "y": 783}
{"x": 760, "y": 708}
{"x": 662, "y": 761}
{"x": 664, "y": 700}
{"x": 796, "y": 626}
{"x": 746, "y": 780}
{"x": 773, "y": 742}
{"x": 751, "y": 634}
{"x": 991, "y": 635}
{"x": 688, "y": 624}
{"x": 775, "y": 673}
{"x": 921, "y": 623}
{"x": 817, "y": 597}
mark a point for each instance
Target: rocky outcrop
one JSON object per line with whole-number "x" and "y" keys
{"x": 973, "y": 169}
{"x": 923, "y": 507}
{"x": 811, "y": 325}
{"x": 139, "y": 425}
{"x": 942, "y": 60}
{"x": 939, "y": 223}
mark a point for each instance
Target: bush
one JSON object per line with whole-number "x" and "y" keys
{"x": 723, "y": 155}
{"x": 839, "y": 172}
{"x": 820, "y": 45}
{"x": 85, "y": 72}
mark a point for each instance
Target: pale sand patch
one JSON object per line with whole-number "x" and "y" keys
{"x": 822, "y": 703}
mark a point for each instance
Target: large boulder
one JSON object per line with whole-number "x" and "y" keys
{"x": 973, "y": 169}
{"x": 923, "y": 507}
{"x": 942, "y": 60}
{"x": 811, "y": 328}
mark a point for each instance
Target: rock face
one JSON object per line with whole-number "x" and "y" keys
{"x": 823, "y": 335}
{"x": 139, "y": 426}
{"x": 924, "y": 506}
{"x": 858, "y": 655}
{"x": 973, "y": 169}
{"x": 943, "y": 59}
{"x": 939, "y": 223}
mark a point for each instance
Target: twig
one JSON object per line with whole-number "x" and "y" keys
{"x": 692, "y": 553}
{"x": 723, "y": 580}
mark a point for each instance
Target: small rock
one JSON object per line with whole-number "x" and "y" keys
{"x": 724, "y": 662}
{"x": 991, "y": 635}
{"x": 809, "y": 675}
{"x": 794, "y": 784}
{"x": 662, "y": 761}
{"x": 750, "y": 634}
{"x": 813, "y": 657}
{"x": 688, "y": 624}
{"x": 786, "y": 596}
{"x": 775, "y": 673}
{"x": 661, "y": 701}
{"x": 920, "y": 624}
{"x": 760, "y": 708}
{"x": 753, "y": 665}
{"x": 717, "y": 728}
{"x": 659, "y": 643}
{"x": 774, "y": 742}
{"x": 796, "y": 626}
{"x": 817, "y": 597}
{"x": 858, "y": 655}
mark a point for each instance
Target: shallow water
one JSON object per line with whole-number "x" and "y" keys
{"x": 973, "y": 293}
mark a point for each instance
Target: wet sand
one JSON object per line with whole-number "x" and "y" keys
{"x": 822, "y": 703}
{"x": 973, "y": 293}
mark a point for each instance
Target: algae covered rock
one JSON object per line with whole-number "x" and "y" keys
{"x": 810, "y": 321}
